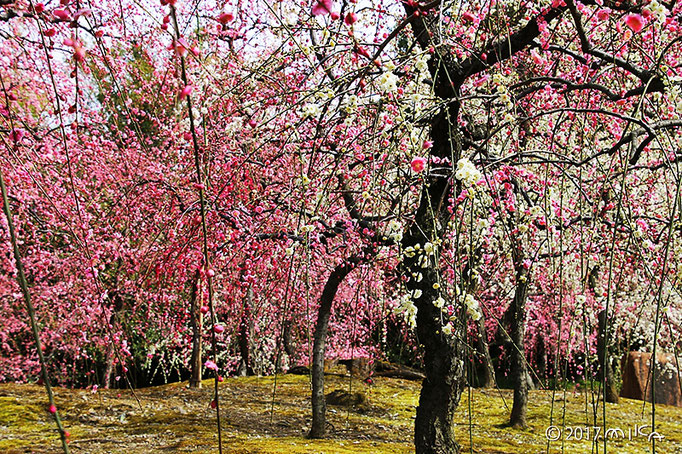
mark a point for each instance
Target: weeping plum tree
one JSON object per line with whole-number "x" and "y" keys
{"x": 459, "y": 146}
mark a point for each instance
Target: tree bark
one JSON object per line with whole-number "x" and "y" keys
{"x": 442, "y": 387}
{"x": 197, "y": 327}
{"x": 519, "y": 368}
{"x": 319, "y": 405}
{"x": 486, "y": 372}
{"x": 443, "y": 353}
{"x": 287, "y": 339}
{"x": 245, "y": 335}
{"x": 606, "y": 374}
{"x": 108, "y": 381}
{"x": 111, "y": 359}
{"x": 444, "y": 356}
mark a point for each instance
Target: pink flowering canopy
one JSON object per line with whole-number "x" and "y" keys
{"x": 163, "y": 160}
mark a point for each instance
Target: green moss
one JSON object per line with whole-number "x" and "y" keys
{"x": 490, "y": 433}
{"x": 21, "y": 424}
{"x": 172, "y": 418}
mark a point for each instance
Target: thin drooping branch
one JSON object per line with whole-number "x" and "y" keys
{"x": 21, "y": 279}
{"x": 202, "y": 203}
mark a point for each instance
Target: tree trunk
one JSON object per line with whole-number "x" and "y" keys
{"x": 444, "y": 354}
{"x": 197, "y": 327}
{"x": 318, "y": 428}
{"x": 287, "y": 339}
{"x": 484, "y": 366}
{"x": 606, "y": 374}
{"x": 519, "y": 369}
{"x": 108, "y": 381}
{"x": 442, "y": 387}
{"x": 245, "y": 335}
{"x": 541, "y": 357}
{"x": 111, "y": 358}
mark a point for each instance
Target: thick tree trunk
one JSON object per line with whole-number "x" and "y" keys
{"x": 442, "y": 387}
{"x": 197, "y": 326}
{"x": 519, "y": 369}
{"x": 444, "y": 354}
{"x": 484, "y": 366}
{"x": 606, "y": 374}
{"x": 319, "y": 405}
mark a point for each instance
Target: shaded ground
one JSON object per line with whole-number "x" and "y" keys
{"x": 173, "y": 419}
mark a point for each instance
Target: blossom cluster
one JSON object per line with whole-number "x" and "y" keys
{"x": 467, "y": 172}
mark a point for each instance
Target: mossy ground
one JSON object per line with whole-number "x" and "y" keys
{"x": 173, "y": 418}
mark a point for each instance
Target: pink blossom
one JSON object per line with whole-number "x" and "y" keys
{"x": 61, "y": 14}
{"x": 537, "y": 59}
{"x": 635, "y": 22}
{"x": 350, "y": 19}
{"x": 78, "y": 53}
{"x": 218, "y": 328}
{"x": 211, "y": 365}
{"x": 427, "y": 144}
{"x": 224, "y": 18}
{"x": 603, "y": 14}
{"x": 82, "y": 12}
{"x": 418, "y": 164}
{"x": 467, "y": 16}
{"x": 16, "y": 135}
{"x": 185, "y": 91}
{"x": 52, "y": 409}
{"x": 322, "y": 7}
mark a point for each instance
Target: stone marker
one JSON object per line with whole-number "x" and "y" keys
{"x": 637, "y": 378}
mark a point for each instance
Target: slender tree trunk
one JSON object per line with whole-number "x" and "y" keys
{"x": 109, "y": 370}
{"x": 111, "y": 359}
{"x": 486, "y": 372}
{"x": 245, "y": 335}
{"x": 197, "y": 321}
{"x": 319, "y": 404}
{"x": 541, "y": 357}
{"x": 519, "y": 369}
{"x": 23, "y": 284}
{"x": 606, "y": 374}
{"x": 287, "y": 339}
